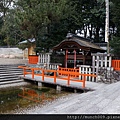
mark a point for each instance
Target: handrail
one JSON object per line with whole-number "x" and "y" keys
{"x": 69, "y": 70}
{"x": 55, "y": 76}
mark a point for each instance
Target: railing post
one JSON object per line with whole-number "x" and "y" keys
{"x": 55, "y": 77}
{"x": 43, "y": 75}
{"x": 32, "y": 73}
{"x": 84, "y": 79}
{"x": 68, "y": 79}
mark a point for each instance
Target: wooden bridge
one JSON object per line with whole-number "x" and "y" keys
{"x": 62, "y": 77}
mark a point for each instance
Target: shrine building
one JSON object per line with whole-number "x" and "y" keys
{"x": 74, "y": 50}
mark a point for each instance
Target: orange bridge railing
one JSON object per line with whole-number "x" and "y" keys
{"x": 62, "y": 71}
{"x": 56, "y": 74}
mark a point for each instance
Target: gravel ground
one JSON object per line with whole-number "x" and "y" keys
{"x": 12, "y": 61}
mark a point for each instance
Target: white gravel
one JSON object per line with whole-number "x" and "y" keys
{"x": 4, "y": 61}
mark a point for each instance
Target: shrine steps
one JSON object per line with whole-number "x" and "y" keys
{"x": 9, "y": 74}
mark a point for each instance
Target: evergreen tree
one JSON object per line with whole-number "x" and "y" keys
{"x": 115, "y": 41}
{"x": 49, "y": 21}
{"x": 5, "y": 5}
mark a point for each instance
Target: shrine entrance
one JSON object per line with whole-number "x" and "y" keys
{"x": 73, "y": 57}
{"x": 75, "y": 50}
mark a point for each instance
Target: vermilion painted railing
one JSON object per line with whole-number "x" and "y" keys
{"x": 116, "y": 64}
{"x": 67, "y": 74}
{"x": 33, "y": 59}
{"x": 68, "y": 70}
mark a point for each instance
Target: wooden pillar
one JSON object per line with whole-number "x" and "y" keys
{"x": 83, "y": 59}
{"x": 66, "y": 57}
{"x": 74, "y": 58}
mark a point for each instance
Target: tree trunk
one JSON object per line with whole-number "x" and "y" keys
{"x": 97, "y": 34}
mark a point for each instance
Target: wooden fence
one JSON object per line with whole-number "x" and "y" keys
{"x": 86, "y": 69}
{"x": 44, "y": 58}
{"x": 116, "y": 64}
{"x": 52, "y": 66}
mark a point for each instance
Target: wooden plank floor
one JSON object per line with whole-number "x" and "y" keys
{"x": 75, "y": 85}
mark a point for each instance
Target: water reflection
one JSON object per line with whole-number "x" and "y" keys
{"x": 33, "y": 95}
{"x": 16, "y": 98}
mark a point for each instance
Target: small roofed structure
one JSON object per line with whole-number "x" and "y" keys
{"x": 30, "y": 46}
{"x": 75, "y": 50}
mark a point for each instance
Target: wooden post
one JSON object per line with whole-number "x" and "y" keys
{"x": 84, "y": 81}
{"x": 55, "y": 77}
{"x": 105, "y": 61}
{"x": 43, "y": 75}
{"x": 66, "y": 57}
{"x": 43, "y": 58}
{"x": 102, "y": 59}
{"x": 110, "y": 61}
{"x": 93, "y": 65}
{"x": 83, "y": 59}
{"x": 48, "y": 60}
{"x": 97, "y": 65}
{"x": 68, "y": 79}
{"x": 74, "y": 58}
{"x": 32, "y": 73}
{"x": 39, "y": 58}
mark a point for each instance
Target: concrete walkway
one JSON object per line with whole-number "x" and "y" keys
{"x": 105, "y": 99}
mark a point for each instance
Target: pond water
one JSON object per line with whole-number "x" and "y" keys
{"x": 14, "y": 99}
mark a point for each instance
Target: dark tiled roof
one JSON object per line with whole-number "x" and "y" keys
{"x": 82, "y": 42}
{"x": 86, "y": 43}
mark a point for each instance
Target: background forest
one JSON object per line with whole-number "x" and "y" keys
{"x": 49, "y": 21}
